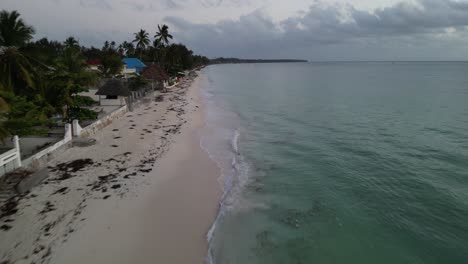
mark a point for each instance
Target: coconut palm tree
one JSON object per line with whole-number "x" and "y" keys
{"x": 15, "y": 67}
{"x": 15, "y": 70}
{"x": 13, "y": 30}
{"x": 142, "y": 40}
{"x": 161, "y": 42}
{"x": 163, "y": 36}
{"x": 71, "y": 42}
{"x": 128, "y": 48}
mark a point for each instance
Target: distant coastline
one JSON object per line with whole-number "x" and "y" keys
{"x": 237, "y": 60}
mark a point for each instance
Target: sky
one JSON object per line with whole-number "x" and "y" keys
{"x": 316, "y": 30}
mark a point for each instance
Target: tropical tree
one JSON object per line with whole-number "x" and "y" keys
{"x": 129, "y": 48}
{"x": 112, "y": 45}
{"x": 71, "y": 42}
{"x": 137, "y": 82}
{"x": 44, "y": 50}
{"x": 111, "y": 65}
{"x": 13, "y": 30}
{"x": 162, "y": 35}
{"x": 161, "y": 42}
{"x": 16, "y": 71}
{"x": 24, "y": 117}
{"x": 142, "y": 40}
{"x": 69, "y": 78}
{"x": 15, "y": 68}
{"x": 106, "y": 45}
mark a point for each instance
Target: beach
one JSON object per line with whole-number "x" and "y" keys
{"x": 146, "y": 192}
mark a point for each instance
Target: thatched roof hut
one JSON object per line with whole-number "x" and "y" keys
{"x": 114, "y": 88}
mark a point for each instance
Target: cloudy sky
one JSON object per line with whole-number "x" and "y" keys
{"x": 313, "y": 30}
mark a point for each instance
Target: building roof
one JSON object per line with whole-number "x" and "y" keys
{"x": 94, "y": 62}
{"x": 114, "y": 88}
{"x": 154, "y": 72}
{"x": 133, "y": 63}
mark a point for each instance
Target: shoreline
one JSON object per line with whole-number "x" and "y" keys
{"x": 151, "y": 198}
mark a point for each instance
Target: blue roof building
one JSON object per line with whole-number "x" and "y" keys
{"x": 133, "y": 64}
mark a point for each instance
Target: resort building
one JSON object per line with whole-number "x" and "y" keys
{"x": 132, "y": 66}
{"x": 94, "y": 64}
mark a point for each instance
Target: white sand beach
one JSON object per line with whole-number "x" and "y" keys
{"x": 145, "y": 193}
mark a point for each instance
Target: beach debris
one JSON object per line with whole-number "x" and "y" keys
{"x": 5, "y": 227}
{"x": 49, "y": 207}
{"x": 66, "y": 169}
{"x": 159, "y": 98}
{"x": 63, "y": 190}
{"x": 10, "y": 181}
{"x": 9, "y": 208}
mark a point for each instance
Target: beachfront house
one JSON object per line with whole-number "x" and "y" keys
{"x": 132, "y": 66}
{"x": 113, "y": 92}
{"x": 157, "y": 76}
{"x": 94, "y": 64}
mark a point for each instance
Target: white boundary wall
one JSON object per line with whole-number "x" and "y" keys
{"x": 11, "y": 159}
{"x": 39, "y": 159}
{"x": 92, "y": 129}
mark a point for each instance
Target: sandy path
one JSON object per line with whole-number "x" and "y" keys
{"x": 145, "y": 193}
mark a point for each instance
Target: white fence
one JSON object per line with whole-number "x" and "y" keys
{"x": 90, "y": 130}
{"x": 11, "y": 159}
{"x": 39, "y": 159}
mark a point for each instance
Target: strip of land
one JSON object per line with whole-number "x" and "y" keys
{"x": 144, "y": 193}
{"x": 237, "y": 60}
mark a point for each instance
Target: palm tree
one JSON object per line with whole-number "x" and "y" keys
{"x": 128, "y": 48}
{"x": 121, "y": 50}
{"x": 106, "y": 46}
{"x": 15, "y": 67}
{"x": 163, "y": 36}
{"x": 71, "y": 42}
{"x": 15, "y": 70}
{"x": 69, "y": 78}
{"x": 161, "y": 41}
{"x": 13, "y": 30}
{"x": 142, "y": 40}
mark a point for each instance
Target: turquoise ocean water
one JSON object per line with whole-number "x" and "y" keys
{"x": 339, "y": 162}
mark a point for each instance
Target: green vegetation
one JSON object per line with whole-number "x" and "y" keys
{"x": 41, "y": 80}
{"x": 142, "y": 41}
